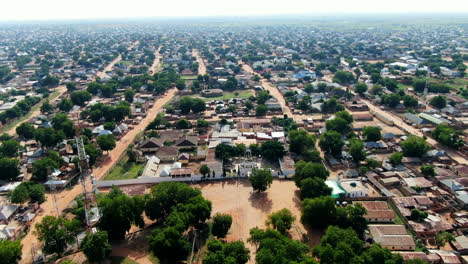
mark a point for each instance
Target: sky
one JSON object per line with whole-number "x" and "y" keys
{"x": 18, "y": 10}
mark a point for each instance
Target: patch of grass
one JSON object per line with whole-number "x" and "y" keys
{"x": 128, "y": 63}
{"x": 125, "y": 170}
{"x": 153, "y": 259}
{"x": 229, "y": 95}
{"x": 189, "y": 77}
{"x": 122, "y": 260}
{"x": 398, "y": 220}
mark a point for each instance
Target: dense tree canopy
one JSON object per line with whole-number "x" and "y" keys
{"x": 261, "y": 179}
{"x": 414, "y": 146}
{"x": 96, "y": 246}
{"x": 275, "y": 248}
{"x": 371, "y": 133}
{"x": 10, "y": 251}
{"x": 281, "y": 220}
{"x": 331, "y": 142}
{"x": 119, "y": 212}
{"x": 221, "y": 225}
{"x": 57, "y": 233}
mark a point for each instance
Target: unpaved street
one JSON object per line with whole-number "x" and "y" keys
{"x": 273, "y": 91}
{"x": 201, "y": 64}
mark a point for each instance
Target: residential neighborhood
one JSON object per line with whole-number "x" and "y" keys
{"x": 138, "y": 142}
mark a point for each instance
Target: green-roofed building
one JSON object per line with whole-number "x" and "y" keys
{"x": 337, "y": 190}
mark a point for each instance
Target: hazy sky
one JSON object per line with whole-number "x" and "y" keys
{"x": 77, "y": 9}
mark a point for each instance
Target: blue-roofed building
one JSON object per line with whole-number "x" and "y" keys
{"x": 303, "y": 74}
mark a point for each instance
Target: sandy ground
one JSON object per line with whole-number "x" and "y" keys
{"x": 250, "y": 209}
{"x": 65, "y": 197}
{"x": 201, "y": 63}
{"x": 157, "y": 61}
{"x": 273, "y": 91}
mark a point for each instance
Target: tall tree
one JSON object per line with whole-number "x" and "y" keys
{"x": 221, "y": 225}
{"x": 281, "y": 220}
{"x": 57, "y": 233}
{"x": 96, "y": 246}
{"x": 261, "y": 179}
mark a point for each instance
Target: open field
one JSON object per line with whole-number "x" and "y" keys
{"x": 125, "y": 170}
{"x": 250, "y": 209}
{"x": 229, "y": 95}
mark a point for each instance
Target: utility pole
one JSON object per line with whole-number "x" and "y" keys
{"x": 193, "y": 245}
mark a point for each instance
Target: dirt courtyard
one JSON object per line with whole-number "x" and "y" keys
{"x": 250, "y": 209}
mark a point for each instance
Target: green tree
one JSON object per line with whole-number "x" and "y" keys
{"x": 331, "y": 142}
{"x": 28, "y": 191}
{"x": 168, "y": 243}
{"x": 204, "y": 170}
{"x": 339, "y": 246}
{"x": 202, "y": 123}
{"x": 448, "y": 136}
{"x": 410, "y": 101}
{"x": 221, "y": 225}
{"x": 48, "y": 137}
{"x": 221, "y": 253}
{"x": 185, "y": 104}
{"x": 314, "y": 187}
{"x": 10, "y": 251}
{"x": 261, "y": 110}
{"x": 25, "y": 130}
{"x": 61, "y": 122}
{"x": 356, "y": 150}
{"x": 360, "y": 88}
{"x": 272, "y": 150}
{"x": 9, "y": 168}
{"x": 300, "y": 141}
{"x": 180, "y": 84}
{"x": 183, "y": 124}
{"x": 119, "y": 212}
{"x": 442, "y": 238}
{"x": 43, "y": 167}
{"x": 57, "y": 233}
{"x": 318, "y": 212}
{"x": 261, "y": 179}
{"x": 438, "y": 101}
{"x": 166, "y": 197}
{"x": 198, "y": 105}
{"x": 306, "y": 170}
{"x": 10, "y": 148}
{"x": 80, "y": 97}
{"x": 281, "y": 220}
{"x": 343, "y": 77}
{"x": 71, "y": 86}
{"x": 414, "y": 146}
{"x": 262, "y": 97}
{"x": 418, "y": 215}
{"x": 338, "y": 124}
{"x": 428, "y": 170}
{"x": 46, "y": 107}
{"x": 106, "y": 142}
{"x": 275, "y": 248}
{"x": 371, "y": 133}
{"x": 65, "y": 105}
{"x": 395, "y": 158}
{"x": 96, "y": 246}
{"x": 129, "y": 95}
